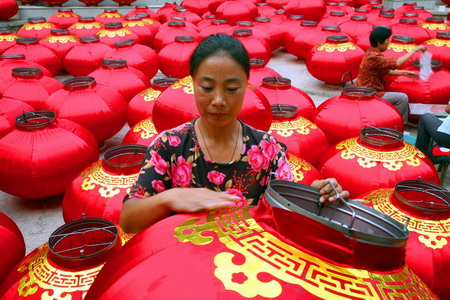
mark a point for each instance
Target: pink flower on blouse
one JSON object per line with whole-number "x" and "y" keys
{"x": 158, "y": 185}
{"x": 160, "y": 164}
{"x": 216, "y": 177}
{"x": 181, "y": 172}
{"x": 174, "y": 140}
{"x": 256, "y": 159}
{"x": 238, "y": 193}
{"x": 270, "y": 150}
{"x": 284, "y": 171}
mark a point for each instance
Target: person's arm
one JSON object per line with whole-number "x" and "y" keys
{"x": 403, "y": 59}
{"x": 410, "y": 74}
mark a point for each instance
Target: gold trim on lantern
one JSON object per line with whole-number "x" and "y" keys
{"x": 135, "y": 24}
{"x": 438, "y": 43}
{"x": 148, "y": 21}
{"x": 401, "y": 48}
{"x": 298, "y": 166}
{"x": 9, "y": 38}
{"x": 87, "y": 26}
{"x": 287, "y": 129}
{"x": 150, "y": 94}
{"x": 60, "y": 39}
{"x": 147, "y": 129}
{"x": 434, "y": 26}
{"x": 186, "y": 84}
{"x": 433, "y": 234}
{"x": 110, "y": 185}
{"x": 391, "y": 160}
{"x": 66, "y": 15}
{"x": 113, "y": 33}
{"x": 262, "y": 252}
{"x": 110, "y": 15}
{"x": 38, "y": 26}
{"x": 336, "y": 47}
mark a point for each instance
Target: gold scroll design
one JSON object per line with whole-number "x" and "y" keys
{"x": 186, "y": 84}
{"x": 42, "y": 275}
{"x": 434, "y": 26}
{"x": 391, "y": 160}
{"x": 37, "y": 26}
{"x": 135, "y": 24}
{"x": 110, "y": 15}
{"x": 264, "y": 253}
{"x": 149, "y": 94}
{"x": 110, "y": 185}
{"x": 66, "y": 15}
{"x": 146, "y": 128}
{"x": 9, "y": 38}
{"x": 336, "y": 47}
{"x": 60, "y": 39}
{"x": 87, "y": 26}
{"x": 433, "y": 234}
{"x": 401, "y": 48}
{"x": 438, "y": 43}
{"x": 148, "y": 21}
{"x": 287, "y": 129}
{"x": 113, "y": 33}
{"x": 298, "y": 166}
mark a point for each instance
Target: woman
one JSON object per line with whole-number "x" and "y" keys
{"x": 215, "y": 160}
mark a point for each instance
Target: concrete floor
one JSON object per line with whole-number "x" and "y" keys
{"x": 37, "y": 219}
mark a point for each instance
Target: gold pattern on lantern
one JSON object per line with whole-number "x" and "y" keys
{"x": 288, "y": 128}
{"x": 336, "y": 47}
{"x": 298, "y": 166}
{"x": 186, "y": 84}
{"x": 391, "y": 160}
{"x": 110, "y": 15}
{"x": 146, "y": 128}
{"x": 438, "y": 43}
{"x": 109, "y": 185}
{"x": 87, "y": 26}
{"x": 149, "y": 94}
{"x": 9, "y": 38}
{"x": 262, "y": 252}
{"x": 66, "y": 15}
{"x": 113, "y": 33}
{"x": 148, "y": 21}
{"x": 434, "y": 26}
{"x": 41, "y": 275}
{"x": 432, "y": 234}
{"x": 60, "y": 39}
{"x": 134, "y": 24}
{"x": 37, "y": 26}
{"x": 401, "y": 48}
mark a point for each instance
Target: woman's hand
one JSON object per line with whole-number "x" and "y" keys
{"x": 420, "y": 48}
{"x": 326, "y": 189}
{"x": 411, "y": 74}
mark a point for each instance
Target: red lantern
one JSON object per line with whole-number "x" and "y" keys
{"x": 235, "y": 10}
{"x": 7, "y": 39}
{"x": 36, "y": 28}
{"x": 137, "y": 56}
{"x": 263, "y": 36}
{"x": 142, "y": 9}
{"x": 164, "y": 11}
{"x": 115, "y": 32}
{"x": 64, "y": 18}
{"x": 206, "y": 22}
{"x": 216, "y": 26}
{"x": 174, "y": 58}
{"x": 265, "y": 10}
{"x": 181, "y": 11}
{"x": 406, "y": 7}
{"x": 100, "y": 188}
{"x": 302, "y": 170}
{"x": 338, "y": 6}
{"x": 86, "y": 26}
{"x": 434, "y": 90}
{"x": 140, "y": 28}
{"x": 9, "y": 109}
{"x": 302, "y": 137}
{"x": 423, "y": 207}
{"x": 255, "y": 47}
{"x": 409, "y": 27}
{"x": 422, "y": 12}
{"x": 124, "y": 2}
{"x": 178, "y": 19}
{"x": 412, "y": 16}
{"x": 276, "y": 36}
{"x": 294, "y": 34}
{"x": 399, "y": 46}
{"x": 366, "y": 3}
{"x": 290, "y": 27}
{"x": 440, "y": 48}
{"x": 361, "y": 12}
{"x": 166, "y": 36}
{"x": 153, "y": 24}
{"x": 357, "y": 25}
{"x": 37, "y": 53}
{"x": 311, "y": 10}
{"x": 42, "y": 155}
{"x": 336, "y": 18}
{"x": 434, "y": 25}
{"x": 259, "y": 71}
{"x": 277, "y": 4}
{"x": 143, "y": 133}
{"x": 141, "y": 106}
{"x": 30, "y": 86}
{"x": 8, "y": 62}
{"x": 279, "y": 91}
{"x": 343, "y": 116}
{"x": 98, "y": 108}
{"x": 110, "y": 15}
{"x": 8, "y": 9}
{"x": 60, "y": 41}
{"x": 339, "y": 52}
{"x": 384, "y": 19}
{"x": 378, "y": 158}
{"x": 279, "y": 17}
{"x": 12, "y": 244}
{"x": 198, "y": 7}
{"x": 67, "y": 265}
{"x": 176, "y": 105}
{"x": 52, "y": 3}
{"x": 85, "y": 57}
{"x": 91, "y": 2}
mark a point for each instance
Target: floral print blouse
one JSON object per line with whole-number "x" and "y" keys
{"x": 175, "y": 159}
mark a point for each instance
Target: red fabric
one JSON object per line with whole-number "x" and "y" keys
{"x": 85, "y": 57}
{"x": 419, "y": 34}
{"x": 437, "y": 151}
{"x": 142, "y": 9}
{"x": 110, "y": 15}
{"x": 12, "y": 244}
{"x": 214, "y": 28}
{"x": 36, "y": 29}
{"x": 260, "y": 71}
{"x": 196, "y": 6}
{"x": 174, "y": 58}
{"x": 166, "y": 36}
{"x": 9, "y": 62}
{"x": 188, "y": 15}
{"x": 261, "y": 35}
{"x": 235, "y": 11}
{"x": 110, "y": 35}
{"x": 8, "y": 9}
{"x": 294, "y": 33}
{"x": 85, "y": 28}
{"x": 334, "y": 20}
{"x": 141, "y": 29}
{"x": 277, "y": 4}
{"x": 91, "y": 2}
{"x": 64, "y": 18}
{"x": 7, "y": 39}
{"x": 356, "y": 27}
{"x": 276, "y": 35}
{"x": 9, "y": 110}
{"x": 302, "y": 170}
{"x": 164, "y": 11}
{"x": 142, "y": 133}
{"x": 440, "y": 49}
{"x": 52, "y": 3}
{"x": 124, "y": 2}
{"x": 433, "y": 26}
{"x": 60, "y": 43}
{"x": 311, "y": 10}
{"x": 265, "y": 10}
{"x": 396, "y": 49}
{"x": 255, "y": 47}
{"x": 346, "y": 8}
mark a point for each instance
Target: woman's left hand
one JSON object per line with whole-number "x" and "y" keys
{"x": 326, "y": 190}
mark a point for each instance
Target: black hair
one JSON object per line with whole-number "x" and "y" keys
{"x": 222, "y": 45}
{"x": 379, "y": 35}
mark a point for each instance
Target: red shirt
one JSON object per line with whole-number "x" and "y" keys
{"x": 373, "y": 68}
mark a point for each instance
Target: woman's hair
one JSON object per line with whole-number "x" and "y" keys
{"x": 222, "y": 45}
{"x": 379, "y": 35}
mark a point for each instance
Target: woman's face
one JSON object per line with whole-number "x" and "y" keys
{"x": 219, "y": 88}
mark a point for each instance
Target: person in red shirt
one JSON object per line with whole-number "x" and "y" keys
{"x": 375, "y": 66}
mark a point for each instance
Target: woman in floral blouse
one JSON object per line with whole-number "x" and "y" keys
{"x": 214, "y": 161}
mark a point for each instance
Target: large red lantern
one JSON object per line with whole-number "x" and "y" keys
{"x": 292, "y": 31}
{"x": 176, "y": 105}
{"x": 164, "y": 11}
{"x": 216, "y": 26}
{"x": 181, "y": 11}
{"x": 30, "y": 86}
{"x": 117, "y": 75}
{"x": 378, "y": 158}
{"x": 263, "y": 36}
{"x": 85, "y": 57}
{"x": 37, "y": 53}
{"x": 198, "y": 7}
{"x": 142, "y": 133}
{"x": 8, "y": 9}
{"x": 440, "y": 48}
{"x": 36, "y": 28}
{"x": 424, "y": 208}
{"x": 141, "y": 106}
{"x": 142, "y": 9}
{"x": 357, "y": 25}
{"x": 166, "y": 36}
{"x": 311, "y": 10}
{"x": 399, "y": 46}
{"x": 255, "y": 48}
{"x": 422, "y": 12}
{"x": 110, "y": 15}
{"x": 207, "y": 19}
{"x": 277, "y": 4}
{"x": 86, "y": 26}
{"x": 413, "y": 16}
{"x": 410, "y": 27}
{"x": 42, "y": 155}
{"x": 178, "y": 19}
{"x": 405, "y": 7}
{"x": 8, "y": 62}
{"x": 363, "y": 40}
{"x": 302, "y": 170}
{"x": 259, "y": 71}
{"x": 153, "y": 24}
{"x": 174, "y": 58}
{"x": 335, "y": 18}
{"x": 140, "y": 28}
{"x": 137, "y": 56}
{"x": 345, "y": 57}
{"x": 279, "y": 91}
{"x": 64, "y": 18}
{"x": 276, "y": 36}
{"x": 91, "y": 2}
{"x": 100, "y": 188}
{"x": 265, "y": 10}
{"x": 279, "y": 17}
{"x": 434, "y": 25}
{"x": 98, "y": 108}
{"x": 12, "y": 244}
{"x": 60, "y": 41}
{"x": 384, "y": 19}
{"x": 68, "y": 264}
{"x": 338, "y": 6}
{"x": 234, "y": 11}
{"x": 115, "y": 32}
{"x": 343, "y": 116}
{"x": 271, "y": 251}
{"x": 7, "y": 39}
{"x": 124, "y": 2}
{"x": 434, "y": 90}
{"x": 302, "y": 137}
{"x": 9, "y": 109}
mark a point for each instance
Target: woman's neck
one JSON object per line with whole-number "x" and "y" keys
{"x": 218, "y": 134}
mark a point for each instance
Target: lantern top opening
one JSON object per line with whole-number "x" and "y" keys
{"x": 403, "y": 39}
{"x": 337, "y": 13}
{"x": 125, "y": 43}
{"x": 89, "y": 39}
{"x": 408, "y": 21}
{"x": 27, "y": 41}
{"x": 283, "y": 111}
{"x": 36, "y": 20}
{"x": 35, "y": 119}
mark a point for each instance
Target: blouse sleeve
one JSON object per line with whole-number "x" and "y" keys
{"x": 385, "y": 64}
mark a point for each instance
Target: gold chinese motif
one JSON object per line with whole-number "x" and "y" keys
{"x": 37, "y": 26}
{"x": 434, "y": 26}
{"x": 150, "y": 94}
{"x": 9, "y": 38}
{"x": 135, "y": 24}
{"x": 288, "y": 128}
{"x": 401, "y": 48}
{"x": 336, "y": 47}
{"x": 438, "y": 43}
{"x": 66, "y": 15}
{"x": 110, "y": 15}
{"x": 146, "y": 128}
{"x": 391, "y": 160}
{"x": 264, "y": 253}
{"x": 109, "y": 185}
{"x": 87, "y": 26}
{"x": 148, "y": 21}
{"x": 60, "y": 39}
{"x": 433, "y": 234}
{"x": 298, "y": 165}
{"x": 186, "y": 84}
{"x": 113, "y": 33}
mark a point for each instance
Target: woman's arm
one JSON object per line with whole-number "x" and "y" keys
{"x": 402, "y": 59}
{"x": 410, "y": 74}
